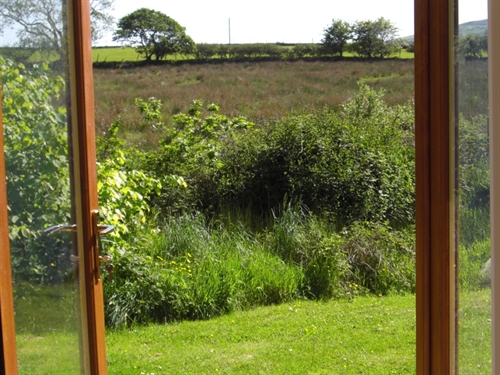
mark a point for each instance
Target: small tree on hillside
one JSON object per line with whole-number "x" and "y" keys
{"x": 375, "y": 38}
{"x": 473, "y": 46}
{"x": 336, "y": 37}
{"x": 153, "y": 33}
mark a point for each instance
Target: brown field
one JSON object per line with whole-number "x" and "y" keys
{"x": 261, "y": 91}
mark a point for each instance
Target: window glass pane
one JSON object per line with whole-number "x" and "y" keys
{"x": 36, "y": 124}
{"x": 474, "y": 301}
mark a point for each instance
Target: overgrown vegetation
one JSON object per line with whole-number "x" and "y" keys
{"x": 225, "y": 213}
{"x": 259, "y": 91}
{"x": 305, "y": 207}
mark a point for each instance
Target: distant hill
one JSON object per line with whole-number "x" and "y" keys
{"x": 468, "y": 28}
{"x": 474, "y": 28}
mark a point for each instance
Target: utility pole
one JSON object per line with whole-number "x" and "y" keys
{"x": 229, "y": 25}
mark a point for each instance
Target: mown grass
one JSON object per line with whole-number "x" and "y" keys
{"x": 364, "y": 335}
{"x": 49, "y": 353}
{"x": 47, "y": 328}
{"x": 475, "y": 332}
{"x": 367, "y": 335}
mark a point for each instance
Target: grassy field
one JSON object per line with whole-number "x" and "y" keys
{"x": 119, "y": 54}
{"x": 109, "y": 54}
{"x": 368, "y": 335}
{"x": 261, "y": 91}
{"x": 126, "y": 54}
{"x": 364, "y": 336}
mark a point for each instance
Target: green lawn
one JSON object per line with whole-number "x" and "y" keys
{"x": 475, "y": 333}
{"x": 369, "y": 335}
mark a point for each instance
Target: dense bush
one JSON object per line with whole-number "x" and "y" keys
{"x": 300, "y": 51}
{"x": 206, "y": 51}
{"x": 188, "y": 268}
{"x": 304, "y": 207}
{"x": 36, "y": 149}
{"x": 380, "y": 259}
{"x": 124, "y": 191}
{"x": 352, "y": 164}
{"x": 38, "y": 180}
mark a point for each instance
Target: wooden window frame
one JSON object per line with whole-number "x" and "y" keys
{"x": 435, "y": 197}
{"x": 85, "y": 172}
{"x": 86, "y": 182}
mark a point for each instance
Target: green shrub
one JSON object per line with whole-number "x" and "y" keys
{"x": 300, "y": 51}
{"x": 473, "y": 272}
{"x": 206, "y": 51}
{"x": 474, "y": 180}
{"x": 354, "y": 164}
{"x": 36, "y": 149}
{"x": 182, "y": 269}
{"x": 381, "y": 260}
{"x": 310, "y": 206}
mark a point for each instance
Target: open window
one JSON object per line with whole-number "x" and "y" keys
{"x": 436, "y": 195}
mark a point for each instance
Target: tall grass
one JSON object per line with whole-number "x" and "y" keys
{"x": 262, "y": 91}
{"x": 187, "y": 268}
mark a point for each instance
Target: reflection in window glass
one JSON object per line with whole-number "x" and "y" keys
{"x": 474, "y": 306}
{"x": 37, "y": 160}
